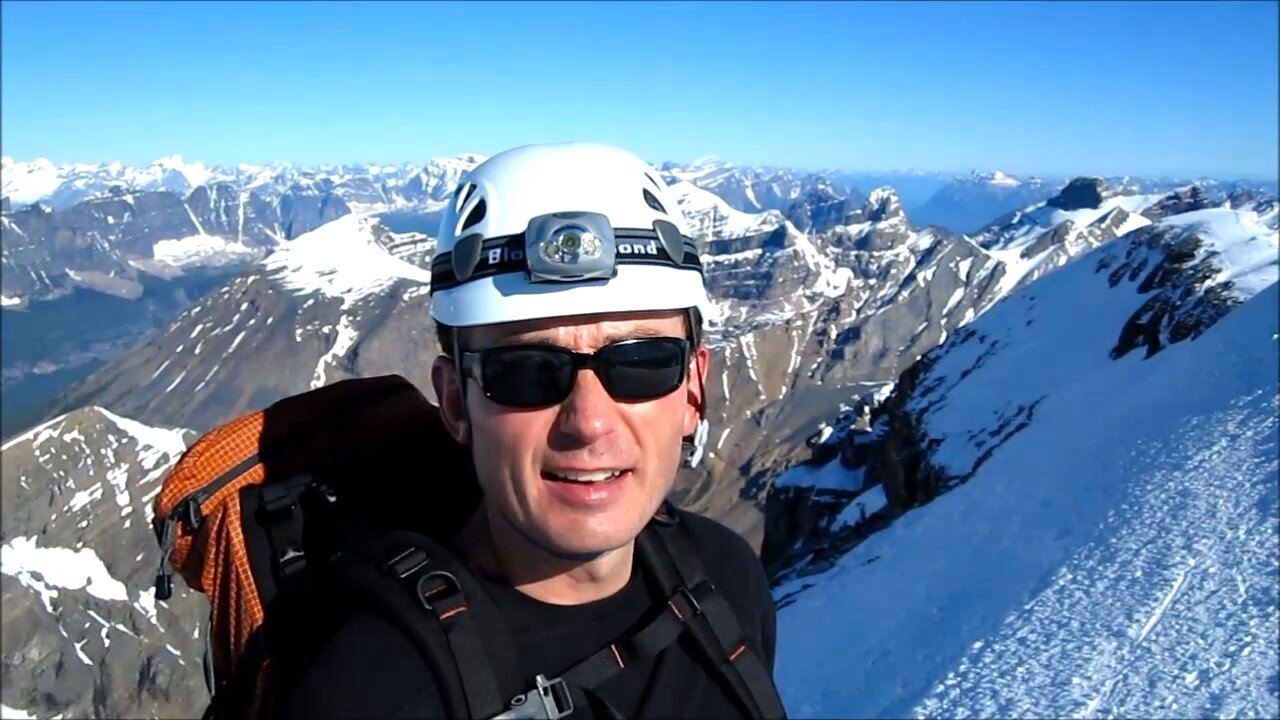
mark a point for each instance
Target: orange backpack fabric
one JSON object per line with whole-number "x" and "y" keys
{"x": 377, "y": 441}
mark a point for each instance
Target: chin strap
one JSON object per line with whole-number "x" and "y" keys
{"x": 697, "y": 445}
{"x": 462, "y": 381}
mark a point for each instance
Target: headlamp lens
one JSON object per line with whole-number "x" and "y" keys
{"x": 571, "y": 245}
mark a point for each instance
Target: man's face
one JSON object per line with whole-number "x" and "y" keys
{"x": 525, "y": 458}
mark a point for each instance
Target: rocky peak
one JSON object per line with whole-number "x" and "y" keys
{"x": 821, "y": 207}
{"x": 1242, "y": 198}
{"x": 1184, "y": 200}
{"x": 80, "y": 557}
{"x": 1080, "y": 194}
{"x": 883, "y": 205}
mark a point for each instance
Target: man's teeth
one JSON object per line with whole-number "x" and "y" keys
{"x": 595, "y": 476}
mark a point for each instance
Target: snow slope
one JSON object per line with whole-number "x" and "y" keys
{"x": 709, "y": 216}
{"x": 201, "y": 250}
{"x": 1114, "y": 550}
{"x": 28, "y": 182}
{"x": 341, "y": 259}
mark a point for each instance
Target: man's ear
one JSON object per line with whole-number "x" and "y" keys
{"x": 696, "y": 389}
{"x": 446, "y": 382}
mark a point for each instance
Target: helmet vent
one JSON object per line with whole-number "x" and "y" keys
{"x": 652, "y": 201}
{"x": 653, "y": 181}
{"x": 476, "y": 214}
{"x": 462, "y": 196}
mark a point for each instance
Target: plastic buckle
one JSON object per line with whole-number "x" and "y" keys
{"x": 693, "y": 601}
{"x": 292, "y": 562}
{"x": 555, "y": 696}
{"x": 188, "y": 513}
{"x": 408, "y": 562}
{"x": 277, "y": 501}
{"x": 553, "y": 702}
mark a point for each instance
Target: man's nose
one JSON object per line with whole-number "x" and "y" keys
{"x": 589, "y": 413}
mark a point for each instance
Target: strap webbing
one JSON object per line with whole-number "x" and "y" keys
{"x": 442, "y": 595}
{"x": 446, "y": 632}
{"x": 646, "y": 643}
{"x": 670, "y": 554}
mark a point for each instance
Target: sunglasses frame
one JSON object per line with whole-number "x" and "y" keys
{"x": 471, "y": 362}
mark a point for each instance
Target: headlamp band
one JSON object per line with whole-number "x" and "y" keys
{"x": 509, "y": 253}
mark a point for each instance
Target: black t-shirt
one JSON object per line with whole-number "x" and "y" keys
{"x": 368, "y": 669}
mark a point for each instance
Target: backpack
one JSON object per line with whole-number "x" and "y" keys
{"x": 351, "y": 492}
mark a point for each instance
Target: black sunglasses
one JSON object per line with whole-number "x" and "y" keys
{"x": 528, "y": 376}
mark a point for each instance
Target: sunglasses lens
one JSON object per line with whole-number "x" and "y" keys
{"x": 632, "y": 370}
{"x": 527, "y": 377}
{"x": 643, "y": 369}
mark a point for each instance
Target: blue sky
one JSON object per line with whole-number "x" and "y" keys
{"x": 1144, "y": 88}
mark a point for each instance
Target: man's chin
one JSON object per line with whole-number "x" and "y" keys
{"x": 572, "y": 539}
{"x": 584, "y": 549}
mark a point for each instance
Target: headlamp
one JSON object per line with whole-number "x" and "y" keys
{"x": 570, "y": 246}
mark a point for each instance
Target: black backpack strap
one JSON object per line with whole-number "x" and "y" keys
{"x": 555, "y": 698}
{"x": 280, "y": 514}
{"x": 668, "y": 550}
{"x": 440, "y": 592}
{"x": 662, "y": 630}
{"x": 416, "y": 586}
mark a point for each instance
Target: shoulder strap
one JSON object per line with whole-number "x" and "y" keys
{"x": 668, "y": 550}
{"x": 418, "y": 586}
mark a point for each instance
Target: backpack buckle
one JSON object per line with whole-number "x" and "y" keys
{"x": 408, "y": 562}
{"x": 548, "y": 700}
{"x": 687, "y": 594}
{"x": 278, "y": 501}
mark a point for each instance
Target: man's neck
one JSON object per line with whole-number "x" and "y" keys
{"x": 498, "y": 549}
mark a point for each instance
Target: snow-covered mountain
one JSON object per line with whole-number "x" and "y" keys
{"x": 754, "y": 189}
{"x": 94, "y": 222}
{"x": 968, "y": 204}
{"x": 83, "y": 635}
{"x": 1066, "y": 509}
{"x": 113, "y": 253}
{"x": 1038, "y": 239}
{"x": 315, "y": 311}
{"x": 60, "y": 187}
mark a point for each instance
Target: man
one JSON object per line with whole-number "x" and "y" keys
{"x": 568, "y": 298}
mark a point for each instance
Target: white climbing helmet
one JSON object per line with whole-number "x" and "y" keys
{"x": 557, "y": 230}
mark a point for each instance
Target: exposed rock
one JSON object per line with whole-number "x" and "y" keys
{"x": 82, "y": 633}
{"x": 1080, "y": 193}
{"x": 1182, "y": 201}
{"x": 1171, "y": 264}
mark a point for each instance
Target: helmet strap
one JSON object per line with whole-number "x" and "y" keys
{"x": 457, "y": 366}
{"x": 696, "y": 444}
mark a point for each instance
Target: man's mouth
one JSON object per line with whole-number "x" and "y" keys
{"x": 583, "y": 476}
